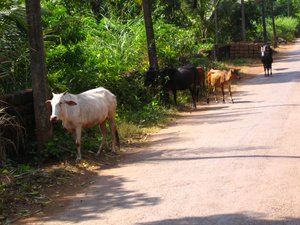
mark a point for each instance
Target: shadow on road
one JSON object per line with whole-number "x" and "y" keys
{"x": 279, "y": 76}
{"x": 105, "y": 194}
{"x": 225, "y": 219}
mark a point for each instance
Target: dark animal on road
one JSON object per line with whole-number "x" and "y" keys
{"x": 220, "y": 78}
{"x": 267, "y": 59}
{"x": 85, "y": 110}
{"x": 172, "y": 79}
{"x": 200, "y": 82}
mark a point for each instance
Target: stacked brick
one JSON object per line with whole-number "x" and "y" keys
{"x": 244, "y": 50}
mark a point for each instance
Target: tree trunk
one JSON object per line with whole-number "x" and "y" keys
{"x": 264, "y": 21}
{"x": 273, "y": 26}
{"x": 38, "y": 73}
{"x": 150, "y": 35}
{"x": 216, "y": 47}
{"x": 243, "y": 21}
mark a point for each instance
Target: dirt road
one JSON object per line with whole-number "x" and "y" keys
{"x": 225, "y": 164}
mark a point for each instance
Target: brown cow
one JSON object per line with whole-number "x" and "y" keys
{"x": 220, "y": 78}
{"x": 200, "y": 82}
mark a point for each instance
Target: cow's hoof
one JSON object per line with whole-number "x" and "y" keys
{"x": 78, "y": 160}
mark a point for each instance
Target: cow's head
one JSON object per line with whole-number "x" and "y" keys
{"x": 59, "y": 102}
{"x": 264, "y": 50}
{"x": 235, "y": 73}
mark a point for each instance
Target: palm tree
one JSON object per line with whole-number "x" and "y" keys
{"x": 38, "y": 73}
{"x": 13, "y": 50}
{"x": 203, "y": 12}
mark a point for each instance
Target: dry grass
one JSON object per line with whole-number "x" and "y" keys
{"x": 11, "y": 134}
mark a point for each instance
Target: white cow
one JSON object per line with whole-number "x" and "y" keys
{"x": 85, "y": 110}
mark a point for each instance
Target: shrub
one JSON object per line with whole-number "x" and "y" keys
{"x": 286, "y": 27}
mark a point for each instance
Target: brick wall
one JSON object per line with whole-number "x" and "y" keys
{"x": 245, "y": 50}
{"x": 237, "y": 50}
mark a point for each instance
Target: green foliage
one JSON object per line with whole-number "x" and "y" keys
{"x": 286, "y": 27}
{"x": 57, "y": 148}
{"x": 173, "y": 42}
{"x": 14, "y": 54}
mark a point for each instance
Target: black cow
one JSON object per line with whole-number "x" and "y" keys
{"x": 267, "y": 59}
{"x": 172, "y": 79}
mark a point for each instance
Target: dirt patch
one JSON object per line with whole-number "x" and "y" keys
{"x": 26, "y": 194}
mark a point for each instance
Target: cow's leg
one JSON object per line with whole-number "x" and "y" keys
{"x": 166, "y": 97}
{"x": 271, "y": 69}
{"x": 175, "y": 96}
{"x": 222, "y": 88}
{"x": 215, "y": 93}
{"x": 230, "y": 93}
{"x": 208, "y": 92}
{"x": 198, "y": 93}
{"x": 77, "y": 137}
{"x": 115, "y": 134}
{"x": 192, "y": 90}
{"x": 104, "y": 134}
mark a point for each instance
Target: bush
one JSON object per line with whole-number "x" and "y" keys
{"x": 286, "y": 27}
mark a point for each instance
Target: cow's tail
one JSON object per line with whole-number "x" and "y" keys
{"x": 117, "y": 138}
{"x": 208, "y": 86}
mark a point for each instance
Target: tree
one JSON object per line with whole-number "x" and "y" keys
{"x": 264, "y": 20}
{"x": 150, "y": 35}
{"x": 38, "y": 73}
{"x": 203, "y": 12}
{"x": 243, "y": 20}
{"x": 273, "y": 25}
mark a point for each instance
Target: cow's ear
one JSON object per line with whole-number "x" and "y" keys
{"x": 48, "y": 102}
{"x": 70, "y": 103}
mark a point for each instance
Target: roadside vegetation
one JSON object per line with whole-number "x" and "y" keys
{"x": 103, "y": 43}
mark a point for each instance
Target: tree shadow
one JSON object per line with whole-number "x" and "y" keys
{"x": 200, "y": 154}
{"x": 281, "y": 77}
{"x": 226, "y": 219}
{"x": 105, "y": 194}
